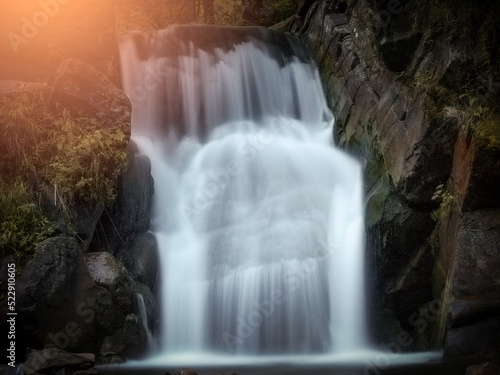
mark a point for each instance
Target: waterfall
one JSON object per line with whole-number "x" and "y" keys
{"x": 141, "y": 307}
{"x": 258, "y": 217}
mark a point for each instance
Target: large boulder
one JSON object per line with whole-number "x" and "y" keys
{"x": 60, "y": 305}
{"x": 125, "y": 330}
{"x": 104, "y": 269}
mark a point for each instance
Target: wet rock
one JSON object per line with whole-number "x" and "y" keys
{"x": 122, "y": 329}
{"x": 49, "y": 360}
{"x": 130, "y": 341}
{"x": 110, "y": 273}
{"x": 140, "y": 256}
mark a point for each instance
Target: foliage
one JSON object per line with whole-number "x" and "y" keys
{"x": 22, "y": 223}
{"x": 222, "y": 12}
{"x": 447, "y": 200}
{"x": 164, "y": 13}
{"x": 43, "y": 152}
{"x": 72, "y": 155}
{"x": 471, "y": 83}
{"x": 81, "y": 161}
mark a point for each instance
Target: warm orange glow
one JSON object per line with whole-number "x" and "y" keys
{"x": 35, "y": 31}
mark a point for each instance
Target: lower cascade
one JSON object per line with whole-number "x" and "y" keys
{"x": 258, "y": 217}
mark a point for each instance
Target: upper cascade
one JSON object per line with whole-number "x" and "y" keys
{"x": 195, "y": 78}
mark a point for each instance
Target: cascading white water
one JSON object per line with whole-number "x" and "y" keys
{"x": 259, "y": 219}
{"x": 141, "y": 307}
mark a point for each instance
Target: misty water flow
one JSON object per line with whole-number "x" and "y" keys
{"x": 258, "y": 217}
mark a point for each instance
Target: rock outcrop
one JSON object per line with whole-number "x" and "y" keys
{"x": 48, "y": 361}
{"x": 130, "y": 214}
{"x": 60, "y": 305}
{"x": 75, "y": 295}
{"x": 406, "y": 108}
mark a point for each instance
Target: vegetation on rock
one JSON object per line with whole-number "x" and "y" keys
{"x": 67, "y": 159}
{"x": 22, "y": 223}
{"x": 159, "y": 14}
{"x": 472, "y": 82}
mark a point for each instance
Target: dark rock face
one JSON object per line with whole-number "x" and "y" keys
{"x": 477, "y": 168}
{"x": 126, "y": 336}
{"x": 131, "y": 212}
{"x": 140, "y": 256}
{"x": 378, "y": 61}
{"x": 49, "y": 360}
{"x": 130, "y": 341}
{"x": 397, "y": 54}
{"x": 61, "y": 306}
{"x": 470, "y": 239}
{"x": 486, "y": 368}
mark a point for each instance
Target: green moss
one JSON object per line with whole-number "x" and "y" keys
{"x": 22, "y": 223}
{"x": 487, "y": 132}
{"x": 447, "y": 200}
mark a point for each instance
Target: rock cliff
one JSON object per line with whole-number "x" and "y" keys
{"x": 414, "y": 87}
